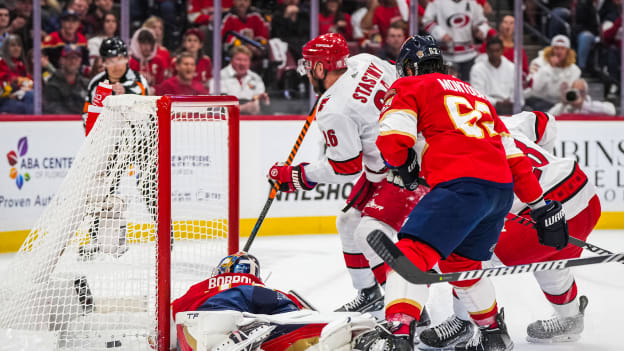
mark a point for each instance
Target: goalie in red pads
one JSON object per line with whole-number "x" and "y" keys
{"x": 473, "y": 167}
{"x": 351, "y": 91}
{"x": 234, "y": 310}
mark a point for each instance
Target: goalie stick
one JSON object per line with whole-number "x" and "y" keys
{"x": 275, "y": 187}
{"x": 391, "y": 254}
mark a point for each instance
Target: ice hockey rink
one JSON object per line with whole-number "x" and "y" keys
{"x": 313, "y": 266}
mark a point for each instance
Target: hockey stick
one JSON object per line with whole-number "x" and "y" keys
{"x": 275, "y": 187}
{"x": 574, "y": 241}
{"x": 391, "y": 254}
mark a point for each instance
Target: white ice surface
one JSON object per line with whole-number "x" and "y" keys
{"x": 313, "y": 266}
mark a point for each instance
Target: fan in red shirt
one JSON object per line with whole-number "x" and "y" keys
{"x": 244, "y": 19}
{"x": 200, "y": 11}
{"x": 54, "y": 43}
{"x": 386, "y": 12}
{"x": 192, "y": 43}
{"x": 143, "y": 57}
{"x": 333, "y": 20}
{"x": 182, "y": 83}
{"x": 157, "y": 26}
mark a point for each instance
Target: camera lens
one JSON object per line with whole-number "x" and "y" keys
{"x": 571, "y": 95}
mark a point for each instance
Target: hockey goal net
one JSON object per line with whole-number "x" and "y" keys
{"x": 148, "y": 208}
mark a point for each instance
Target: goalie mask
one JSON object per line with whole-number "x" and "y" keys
{"x": 239, "y": 262}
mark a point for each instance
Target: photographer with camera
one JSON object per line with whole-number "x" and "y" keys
{"x": 577, "y": 100}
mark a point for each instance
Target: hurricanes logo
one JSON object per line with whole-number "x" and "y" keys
{"x": 458, "y": 20}
{"x": 13, "y": 158}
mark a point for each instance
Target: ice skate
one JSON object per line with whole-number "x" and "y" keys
{"x": 558, "y": 329}
{"x": 447, "y": 334}
{"x": 367, "y": 300}
{"x": 489, "y": 339}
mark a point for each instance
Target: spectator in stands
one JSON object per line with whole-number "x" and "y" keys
{"x": 290, "y": 29}
{"x": 17, "y": 95}
{"x": 333, "y": 20}
{"x": 157, "y": 26}
{"x": 21, "y": 22}
{"x": 559, "y": 17}
{"x": 108, "y": 30}
{"x": 96, "y": 16}
{"x": 199, "y": 12}
{"x": 143, "y": 57}
{"x": 65, "y": 92}
{"x": 182, "y": 83}
{"x": 360, "y": 34}
{"x": 585, "y": 29}
{"x": 394, "y": 40}
{"x": 238, "y": 80}
{"x": 81, "y": 8}
{"x": 192, "y": 42}
{"x": 68, "y": 34}
{"x": 247, "y": 22}
{"x": 5, "y": 20}
{"x": 506, "y": 34}
{"x": 456, "y": 25}
{"x": 383, "y": 13}
{"x": 494, "y": 77}
{"x": 577, "y": 100}
{"x": 47, "y": 69}
{"x": 612, "y": 39}
{"x": 50, "y": 15}
{"x": 172, "y": 13}
{"x": 291, "y": 24}
{"x": 554, "y": 75}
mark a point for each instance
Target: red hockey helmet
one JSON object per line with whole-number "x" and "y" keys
{"x": 331, "y": 49}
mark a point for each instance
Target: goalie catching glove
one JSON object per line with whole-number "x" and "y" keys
{"x": 551, "y": 225}
{"x": 407, "y": 175}
{"x": 290, "y": 178}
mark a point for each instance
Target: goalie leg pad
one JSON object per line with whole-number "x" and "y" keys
{"x": 339, "y": 334}
{"x": 249, "y": 336}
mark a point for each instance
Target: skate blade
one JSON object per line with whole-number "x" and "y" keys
{"x": 555, "y": 340}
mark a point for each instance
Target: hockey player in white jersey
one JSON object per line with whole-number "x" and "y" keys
{"x": 563, "y": 180}
{"x": 352, "y": 91}
{"x": 455, "y": 24}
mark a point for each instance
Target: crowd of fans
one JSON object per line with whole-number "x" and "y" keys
{"x": 171, "y": 46}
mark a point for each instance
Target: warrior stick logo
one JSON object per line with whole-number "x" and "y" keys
{"x": 554, "y": 219}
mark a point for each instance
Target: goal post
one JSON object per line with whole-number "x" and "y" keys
{"x": 178, "y": 108}
{"x": 147, "y": 209}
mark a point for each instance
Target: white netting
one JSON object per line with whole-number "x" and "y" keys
{"x": 85, "y": 278}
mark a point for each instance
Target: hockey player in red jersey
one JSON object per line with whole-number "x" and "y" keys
{"x": 563, "y": 180}
{"x": 351, "y": 91}
{"x": 473, "y": 167}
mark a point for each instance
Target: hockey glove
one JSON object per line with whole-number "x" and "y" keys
{"x": 407, "y": 175}
{"x": 551, "y": 225}
{"x": 291, "y": 178}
